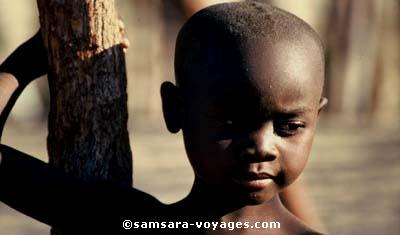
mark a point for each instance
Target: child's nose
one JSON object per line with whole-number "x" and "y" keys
{"x": 260, "y": 145}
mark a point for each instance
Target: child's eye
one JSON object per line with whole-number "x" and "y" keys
{"x": 223, "y": 123}
{"x": 288, "y": 128}
{"x": 224, "y": 129}
{"x": 226, "y": 124}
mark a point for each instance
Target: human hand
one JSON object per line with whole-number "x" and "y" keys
{"x": 125, "y": 41}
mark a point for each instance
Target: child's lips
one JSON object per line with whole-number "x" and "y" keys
{"x": 253, "y": 181}
{"x": 254, "y": 184}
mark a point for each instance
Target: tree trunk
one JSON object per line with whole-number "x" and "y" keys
{"x": 88, "y": 135}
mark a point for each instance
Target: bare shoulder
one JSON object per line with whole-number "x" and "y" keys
{"x": 312, "y": 233}
{"x": 305, "y": 230}
{"x": 296, "y": 226}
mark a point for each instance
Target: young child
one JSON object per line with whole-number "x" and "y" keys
{"x": 248, "y": 93}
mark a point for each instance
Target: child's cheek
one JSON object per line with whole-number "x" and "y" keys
{"x": 295, "y": 155}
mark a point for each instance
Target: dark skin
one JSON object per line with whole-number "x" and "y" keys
{"x": 248, "y": 131}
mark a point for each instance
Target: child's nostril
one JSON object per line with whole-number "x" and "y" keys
{"x": 256, "y": 155}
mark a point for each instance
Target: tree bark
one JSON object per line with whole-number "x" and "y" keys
{"x": 88, "y": 135}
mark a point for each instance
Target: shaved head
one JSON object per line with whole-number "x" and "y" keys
{"x": 249, "y": 80}
{"x": 217, "y": 39}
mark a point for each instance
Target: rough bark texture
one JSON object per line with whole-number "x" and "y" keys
{"x": 88, "y": 134}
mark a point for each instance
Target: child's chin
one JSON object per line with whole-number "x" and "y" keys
{"x": 257, "y": 198}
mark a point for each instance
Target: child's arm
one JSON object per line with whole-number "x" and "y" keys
{"x": 50, "y": 196}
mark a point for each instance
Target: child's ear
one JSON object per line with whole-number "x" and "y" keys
{"x": 322, "y": 103}
{"x": 172, "y": 106}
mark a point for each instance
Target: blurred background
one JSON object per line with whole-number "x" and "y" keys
{"x": 354, "y": 169}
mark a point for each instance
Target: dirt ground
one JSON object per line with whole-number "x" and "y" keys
{"x": 352, "y": 176}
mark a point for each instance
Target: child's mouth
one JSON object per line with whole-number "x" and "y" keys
{"x": 252, "y": 180}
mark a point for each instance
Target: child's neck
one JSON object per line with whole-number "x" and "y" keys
{"x": 208, "y": 204}
{"x": 205, "y": 201}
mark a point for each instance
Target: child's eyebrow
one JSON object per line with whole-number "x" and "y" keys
{"x": 293, "y": 112}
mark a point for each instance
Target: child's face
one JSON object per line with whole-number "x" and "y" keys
{"x": 248, "y": 130}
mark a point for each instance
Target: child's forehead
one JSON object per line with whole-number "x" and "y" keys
{"x": 248, "y": 96}
{"x": 259, "y": 65}
{"x": 256, "y": 74}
